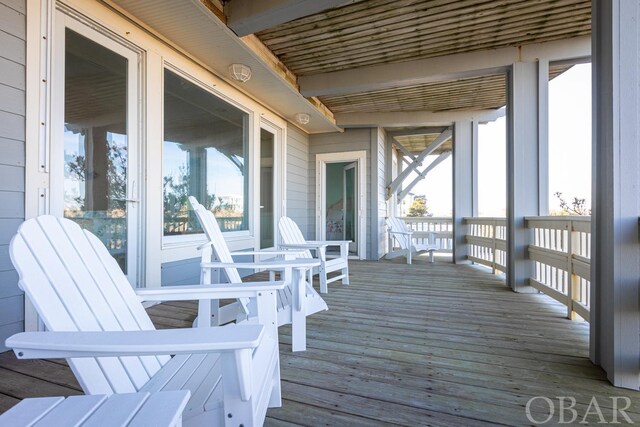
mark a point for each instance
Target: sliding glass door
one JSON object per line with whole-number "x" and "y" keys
{"x": 94, "y": 152}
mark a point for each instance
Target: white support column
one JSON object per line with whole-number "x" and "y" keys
{"x": 523, "y": 196}
{"x": 615, "y": 248}
{"x": 462, "y": 187}
{"x": 474, "y": 168}
{"x": 543, "y": 136}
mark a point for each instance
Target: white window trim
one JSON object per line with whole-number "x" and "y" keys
{"x": 157, "y": 53}
{"x": 176, "y": 242}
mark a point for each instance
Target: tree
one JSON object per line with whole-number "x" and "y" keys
{"x": 576, "y": 207}
{"x": 418, "y": 207}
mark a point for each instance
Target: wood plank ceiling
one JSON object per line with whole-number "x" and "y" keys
{"x": 373, "y": 32}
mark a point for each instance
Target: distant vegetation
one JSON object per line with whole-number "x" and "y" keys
{"x": 418, "y": 208}
{"x": 577, "y": 206}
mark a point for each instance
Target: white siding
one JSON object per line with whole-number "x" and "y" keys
{"x": 298, "y": 180}
{"x": 12, "y": 131}
{"x": 379, "y": 230}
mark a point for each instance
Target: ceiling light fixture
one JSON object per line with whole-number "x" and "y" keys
{"x": 303, "y": 118}
{"x": 240, "y": 72}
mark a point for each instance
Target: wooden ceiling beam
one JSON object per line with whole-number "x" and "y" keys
{"x": 415, "y": 118}
{"x": 412, "y": 132}
{"x": 450, "y": 67}
{"x": 246, "y": 17}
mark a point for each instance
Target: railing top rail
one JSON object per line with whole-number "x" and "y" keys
{"x": 485, "y": 219}
{"x": 425, "y": 218}
{"x": 580, "y": 218}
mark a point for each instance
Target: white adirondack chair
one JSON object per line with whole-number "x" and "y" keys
{"x": 292, "y": 238}
{"x": 404, "y": 237}
{"x": 96, "y": 321}
{"x": 296, "y": 300}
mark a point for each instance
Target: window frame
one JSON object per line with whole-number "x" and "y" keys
{"x": 176, "y": 241}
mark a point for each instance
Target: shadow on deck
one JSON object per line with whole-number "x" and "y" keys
{"x": 426, "y": 344}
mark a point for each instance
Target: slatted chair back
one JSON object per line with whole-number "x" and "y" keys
{"x": 215, "y": 237}
{"x": 397, "y": 225}
{"x": 218, "y": 244}
{"x": 291, "y": 235}
{"x": 76, "y": 285}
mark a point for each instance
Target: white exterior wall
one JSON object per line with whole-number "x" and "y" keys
{"x": 12, "y": 159}
{"x": 298, "y": 197}
{"x": 379, "y": 229}
{"x": 349, "y": 140}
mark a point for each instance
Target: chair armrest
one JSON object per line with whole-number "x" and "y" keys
{"x": 200, "y": 292}
{"x": 44, "y": 345}
{"x": 268, "y": 264}
{"x": 330, "y": 242}
{"x": 307, "y": 245}
{"x": 240, "y": 253}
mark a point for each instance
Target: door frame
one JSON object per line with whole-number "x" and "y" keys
{"x": 55, "y": 146}
{"x": 279, "y": 178}
{"x": 360, "y": 157}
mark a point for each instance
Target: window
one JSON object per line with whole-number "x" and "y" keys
{"x": 205, "y": 155}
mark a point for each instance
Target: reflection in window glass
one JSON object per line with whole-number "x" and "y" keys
{"x": 96, "y": 142}
{"x": 205, "y": 156}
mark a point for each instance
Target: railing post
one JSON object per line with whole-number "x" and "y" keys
{"x": 570, "y": 276}
{"x": 493, "y": 246}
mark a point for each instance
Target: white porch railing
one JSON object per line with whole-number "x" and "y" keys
{"x": 561, "y": 250}
{"x": 487, "y": 240}
{"x": 441, "y": 227}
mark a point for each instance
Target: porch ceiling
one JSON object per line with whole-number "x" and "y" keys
{"x": 417, "y": 143}
{"x": 370, "y": 33}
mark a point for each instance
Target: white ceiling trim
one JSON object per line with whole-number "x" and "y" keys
{"x": 192, "y": 28}
{"x": 415, "y": 118}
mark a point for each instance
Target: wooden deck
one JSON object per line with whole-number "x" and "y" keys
{"x": 426, "y": 344}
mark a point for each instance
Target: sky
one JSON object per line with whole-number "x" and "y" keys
{"x": 569, "y": 152}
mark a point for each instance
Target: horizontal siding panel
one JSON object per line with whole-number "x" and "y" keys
{"x": 12, "y": 74}
{"x": 7, "y": 330}
{"x": 11, "y": 126}
{"x": 17, "y": 5}
{"x": 297, "y": 204}
{"x": 5, "y": 261}
{"x": 13, "y": 152}
{"x": 11, "y": 20}
{"x": 8, "y": 228}
{"x": 298, "y": 153}
{"x": 9, "y": 284}
{"x": 11, "y": 310}
{"x": 181, "y": 272}
{"x": 11, "y": 204}
{"x": 12, "y": 100}
{"x": 296, "y": 171}
{"x": 297, "y": 187}
{"x": 11, "y": 178}
{"x": 13, "y": 48}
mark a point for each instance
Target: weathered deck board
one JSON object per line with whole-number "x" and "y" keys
{"x": 426, "y": 344}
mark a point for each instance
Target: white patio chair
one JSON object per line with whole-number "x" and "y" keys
{"x": 292, "y": 238}
{"x": 96, "y": 321}
{"x": 403, "y": 235}
{"x": 296, "y": 300}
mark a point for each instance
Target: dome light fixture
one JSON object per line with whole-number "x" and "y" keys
{"x": 302, "y": 118}
{"x": 240, "y": 72}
